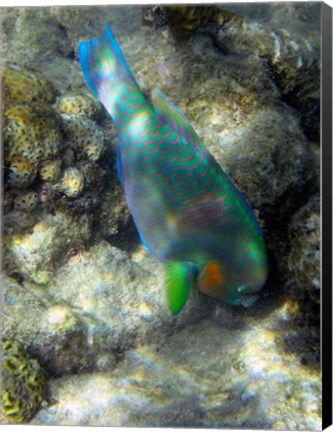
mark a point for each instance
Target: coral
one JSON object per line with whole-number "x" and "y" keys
{"x": 21, "y": 86}
{"x": 26, "y": 201}
{"x": 21, "y": 172}
{"x": 23, "y": 383}
{"x": 32, "y": 129}
{"x": 33, "y": 132}
{"x": 78, "y": 105}
{"x": 50, "y": 170}
{"x": 71, "y": 182}
{"x": 86, "y": 134}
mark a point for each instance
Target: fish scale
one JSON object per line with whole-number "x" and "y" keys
{"x": 187, "y": 211}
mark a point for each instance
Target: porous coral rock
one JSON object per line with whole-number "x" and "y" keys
{"x": 84, "y": 133}
{"x": 50, "y": 170}
{"x": 21, "y": 172}
{"x": 71, "y": 182}
{"x": 23, "y": 382}
{"x": 22, "y": 86}
{"x": 78, "y": 105}
{"x": 32, "y": 129}
{"x": 26, "y": 201}
{"x": 33, "y": 132}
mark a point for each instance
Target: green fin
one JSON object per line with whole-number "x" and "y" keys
{"x": 179, "y": 278}
{"x": 172, "y": 115}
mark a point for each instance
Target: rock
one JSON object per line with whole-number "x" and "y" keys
{"x": 98, "y": 305}
{"x": 304, "y": 258}
{"x": 123, "y": 299}
{"x": 54, "y": 334}
{"x": 274, "y": 139}
{"x": 207, "y": 375}
{"x": 294, "y": 60}
{"x": 35, "y": 253}
{"x": 36, "y": 36}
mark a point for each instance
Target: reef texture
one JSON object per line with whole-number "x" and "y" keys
{"x": 83, "y": 296}
{"x": 51, "y": 146}
{"x": 23, "y": 384}
{"x": 198, "y": 379}
{"x": 304, "y": 259}
{"x": 51, "y": 240}
{"x": 112, "y": 303}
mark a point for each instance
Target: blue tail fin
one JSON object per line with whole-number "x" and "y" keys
{"x": 104, "y": 66}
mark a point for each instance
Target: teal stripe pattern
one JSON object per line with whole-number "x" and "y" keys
{"x": 185, "y": 207}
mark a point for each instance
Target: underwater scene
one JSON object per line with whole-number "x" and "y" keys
{"x": 161, "y": 215}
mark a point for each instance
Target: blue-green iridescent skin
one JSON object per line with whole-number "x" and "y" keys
{"x": 185, "y": 207}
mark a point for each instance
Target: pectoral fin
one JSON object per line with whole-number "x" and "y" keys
{"x": 179, "y": 278}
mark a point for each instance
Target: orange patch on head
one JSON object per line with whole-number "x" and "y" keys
{"x": 213, "y": 274}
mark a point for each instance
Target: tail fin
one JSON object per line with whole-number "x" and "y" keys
{"x": 105, "y": 68}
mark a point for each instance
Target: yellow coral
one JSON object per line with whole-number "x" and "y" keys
{"x": 21, "y": 172}
{"x": 27, "y": 201}
{"x": 22, "y": 86}
{"x": 86, "y": 134}
{"x": 23, "y": 383}
{"x": 32, "y": 129}
{"x": 71, "y": 183}
{"x": 78, "y": 105}
{"x": 31, "y": 135}
{"x": 50, "y": 170}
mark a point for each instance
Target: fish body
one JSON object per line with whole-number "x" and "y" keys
{"x": 187, "y": 211}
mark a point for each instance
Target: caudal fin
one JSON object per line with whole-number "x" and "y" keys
{"x": 105, "y": 68}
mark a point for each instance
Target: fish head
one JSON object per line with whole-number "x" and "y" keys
{"x": 232, "y": 281}
{"x": 214, "y": 280}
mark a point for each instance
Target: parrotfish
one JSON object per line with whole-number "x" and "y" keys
{"x": 187, "y": 211}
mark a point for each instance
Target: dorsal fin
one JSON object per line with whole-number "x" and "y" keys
{"x": 172, "y": 115}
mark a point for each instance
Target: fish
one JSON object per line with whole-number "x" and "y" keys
{"x": 187, "y": 211}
